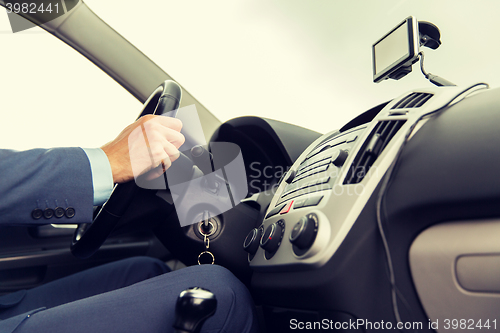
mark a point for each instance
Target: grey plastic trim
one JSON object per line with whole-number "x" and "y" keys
{"x": 468, "y": 268}
{"x": 58, "y": 256}
{"x": 435, "y": 259}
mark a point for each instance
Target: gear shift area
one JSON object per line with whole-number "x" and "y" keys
{"x": 194, "y": 306}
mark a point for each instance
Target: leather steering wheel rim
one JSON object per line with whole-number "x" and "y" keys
{"x": 89, "y": 237}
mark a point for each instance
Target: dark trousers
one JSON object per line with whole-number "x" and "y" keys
{"x": 132, "y": 295}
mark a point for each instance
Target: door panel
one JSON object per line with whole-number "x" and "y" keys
{"x": 30, "y": 256}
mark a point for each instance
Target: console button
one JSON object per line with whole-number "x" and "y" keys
{"x": 275, "y": 211}
{"x": 287, "y": 208}
{"x": 313, "y": 201}
{"x": 299, "y": 203}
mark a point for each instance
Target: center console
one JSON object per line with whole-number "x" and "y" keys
{"x": 320, "y": 197}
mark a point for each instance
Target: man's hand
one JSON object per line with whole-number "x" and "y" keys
{"x": 151, "y": 142}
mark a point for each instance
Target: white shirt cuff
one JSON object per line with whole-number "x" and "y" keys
{"x": 102, "y": 177}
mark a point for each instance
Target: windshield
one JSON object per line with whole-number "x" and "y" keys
{"x": 302, "y": 62}
{"x": 297, "y": 60}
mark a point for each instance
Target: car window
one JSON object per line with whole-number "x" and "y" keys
{"x": 304, "y": 62}
{"x": 52, "y": 96}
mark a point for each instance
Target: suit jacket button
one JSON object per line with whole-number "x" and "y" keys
{"x": 59, "y": 212}
{"x": 48, "y": 213}
{"x": 70, "y": 212}
{"x": 37, "y": 213}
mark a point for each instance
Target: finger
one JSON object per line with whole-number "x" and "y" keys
{"x": 172, "y": 152}
{"x": 157, "y": 131}
{"x": 174, "y": 137}
{"x": 162, "y": 150}
{"x": 143, "y": 156}
{"x": 154, "y": 173}
{"x": 169, "y": 122}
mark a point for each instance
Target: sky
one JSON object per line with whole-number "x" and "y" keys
{"x": 303, "y": 62}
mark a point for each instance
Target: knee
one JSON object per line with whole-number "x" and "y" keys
{"x": 151, "y": 266}
{"x": 222, "y": 278}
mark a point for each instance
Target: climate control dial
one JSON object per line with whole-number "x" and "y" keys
{"x": 271, "y": 240}
{"x": 251, "y": 243}
{"x": 304, "y": 233}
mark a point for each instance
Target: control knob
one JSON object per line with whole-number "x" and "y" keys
{"x": 272, "y": 237}
{"x": 304, "y": 233}
{"x": 251, "y": 243}
{"x": 339, "y": 157}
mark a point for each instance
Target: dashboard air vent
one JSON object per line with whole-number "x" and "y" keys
{"x": 379, "y": 138}
{"x": 413, "y": 100}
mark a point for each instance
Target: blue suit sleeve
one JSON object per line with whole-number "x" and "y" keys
{"x": 41, "y": 186}
{"x": 102, "y": 177}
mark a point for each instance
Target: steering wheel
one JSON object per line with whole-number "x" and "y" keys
{"x": 89, "y": 237}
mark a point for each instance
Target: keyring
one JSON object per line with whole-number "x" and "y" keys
{"x": 213, "y": 258}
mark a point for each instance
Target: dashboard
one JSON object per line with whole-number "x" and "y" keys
{"x": 321, "y": 196}
{"x": 366, "y": 221}
{"x": 319, "y": 251}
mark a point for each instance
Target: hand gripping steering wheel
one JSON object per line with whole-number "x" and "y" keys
{"x": 89, "y": 237}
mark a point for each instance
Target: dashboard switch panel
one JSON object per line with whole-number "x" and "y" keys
{"x": 335, "y": 178}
